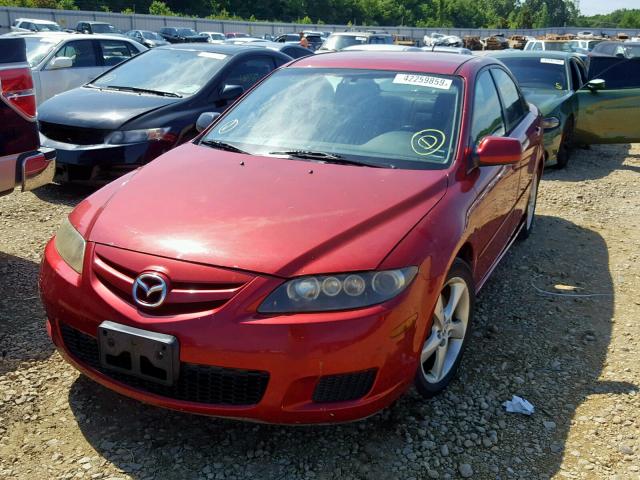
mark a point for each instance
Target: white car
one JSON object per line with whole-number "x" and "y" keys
{"x": 214, "y": 37}
{"x": 34, "y": 25}
{"x": 443, "y": 40}
{"x": 62, "y": 62}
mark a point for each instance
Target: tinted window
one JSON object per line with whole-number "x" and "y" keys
{"x": 81, "y": 52}
{"x": 248, "y": 72}
{"x": 487, "y": 112}
{"x": 114, "y": 52}
{"x": 536, "y": 72}
{"x": 537, "y": 46}
{"x": 576, "y": 76}
{"x": 103, "y": 28}
{"x": 514, "y": 104}
{"x": 616, "y": 72}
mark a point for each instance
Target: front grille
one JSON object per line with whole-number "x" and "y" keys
{"x": 196, "y": 383}
{"x": 344, "y": 387}
{"x": 74, "y": 135}
{"x": 116, "y": 270}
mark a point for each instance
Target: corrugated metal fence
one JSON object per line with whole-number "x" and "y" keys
{"x": 69, "y": 18}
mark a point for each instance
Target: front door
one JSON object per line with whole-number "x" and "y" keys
{"x": 610, "y": 115}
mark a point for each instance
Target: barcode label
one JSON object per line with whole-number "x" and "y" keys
{"x": 423, "y": 81}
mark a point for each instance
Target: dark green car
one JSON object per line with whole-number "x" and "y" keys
{"x": 581, "y": 105}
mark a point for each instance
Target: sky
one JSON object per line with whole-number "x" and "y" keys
{"x": 593, "y": 7}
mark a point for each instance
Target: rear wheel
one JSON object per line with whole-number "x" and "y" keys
{"x": 566, "y": 145}
{"x": 451, "y": 324}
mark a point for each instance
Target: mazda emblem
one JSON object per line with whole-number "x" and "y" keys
{"x": 149, "y": 290}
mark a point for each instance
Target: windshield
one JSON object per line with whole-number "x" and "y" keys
{"x": 538, "y": 72}
{"x": 151, "y": 36}
{"x": 180, "y": 72}
{"x": 380, "y": 118}
{"x": 38, "y": 48}
{"x": 47, "y": 27}
{"x": 103, "y": 28}
{"x": 338, "y": 42}
{"x": 187, "y": 32}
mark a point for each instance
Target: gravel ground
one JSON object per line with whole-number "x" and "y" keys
{"x": 575, "y": 358}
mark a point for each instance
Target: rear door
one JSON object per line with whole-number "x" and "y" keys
{"x": 610, "y": 115}
{"x": 85, "y": 67}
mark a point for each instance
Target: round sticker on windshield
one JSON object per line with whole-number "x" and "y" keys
{"x": 427, "y": 142}
{"x": 227, "y": 127}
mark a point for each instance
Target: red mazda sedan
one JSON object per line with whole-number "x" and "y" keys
{"x": 314, "y": 253}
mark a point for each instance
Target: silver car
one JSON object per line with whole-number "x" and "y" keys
{"x": 62, "y": 62}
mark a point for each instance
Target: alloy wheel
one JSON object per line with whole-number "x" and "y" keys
{"x": 450, "y": 321}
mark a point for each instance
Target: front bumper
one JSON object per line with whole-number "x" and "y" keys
{"x": 296, "y": 351}
{"x": 90, "y": 162}
{"x": 552, "y": 140}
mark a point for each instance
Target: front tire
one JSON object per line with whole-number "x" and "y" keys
{"x": 566, "y": 146}
{"x": 451, "y": 325}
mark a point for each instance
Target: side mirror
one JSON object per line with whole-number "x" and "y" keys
{"x": 597, "y": 84}
{"x": 205, "y": 119}
{"x": 60, "y": 62}
{"x": 231, "y": 92}
{"x": 498, "y": 151}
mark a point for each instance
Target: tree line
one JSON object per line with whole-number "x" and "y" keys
{"x": 416, "y": 13}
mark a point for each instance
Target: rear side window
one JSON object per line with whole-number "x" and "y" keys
{"x": 487, "y": 111}
{"x": 249, "y": 71}
{"x": 114, "y": 52}
{"x": 618, "y": 73}
{"x": 81, "y": 52}
{"x": 515, "y": 107}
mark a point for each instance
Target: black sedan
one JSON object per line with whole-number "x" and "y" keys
{"x": 181, "y": 35}
{"x": 146, "y": 106}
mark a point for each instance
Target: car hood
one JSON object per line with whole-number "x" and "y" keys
{"x": 101, "y": 109}
{"x": 546, "y": 100}
{"x": 267, "y": 215}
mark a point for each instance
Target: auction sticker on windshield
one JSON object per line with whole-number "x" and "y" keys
{"x": 423, "y": 81}
{"x": 554, "y": 61}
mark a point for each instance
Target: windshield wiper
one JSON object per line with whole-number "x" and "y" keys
{"x": 327, "y": 158}
{"x": 222, "y": 146}
{"x": 141, "y": 90}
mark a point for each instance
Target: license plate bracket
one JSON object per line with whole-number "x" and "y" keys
{"x": 143, "y": 354}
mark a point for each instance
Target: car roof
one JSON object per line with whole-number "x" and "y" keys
{"x": 424, "y": 62}
{"x": 78, "y": 36}
{"x": 533, "y": 54}
{"x": 358, "y": 34}
{"x": 381, "y": 47}
{"x": 35, "y": 20}
{"x": 225, "y": 49}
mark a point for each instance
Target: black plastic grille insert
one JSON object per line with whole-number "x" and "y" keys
{"x": 196, "y": 383}
{"x": 344, "y": 387}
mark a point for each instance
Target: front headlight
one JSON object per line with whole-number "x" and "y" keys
{"x": 549, "y": 123}
{"x": 70, "y": 245}
{"x": 122, "y": 137}
{"x": 343, "y": 291}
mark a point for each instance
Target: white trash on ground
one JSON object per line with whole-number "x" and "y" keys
{"x": 518, "y": 405}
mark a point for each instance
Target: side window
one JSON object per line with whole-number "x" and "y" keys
{"x": 81, "y": 53}
{"x": 537, "y": 46}
{"x": 249, "y": 71}
{"x": 618, "y": 73}
{"x": 515, "y": 106}
{"x": 487, "y": 112}
{"x": 114, "y": 52}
